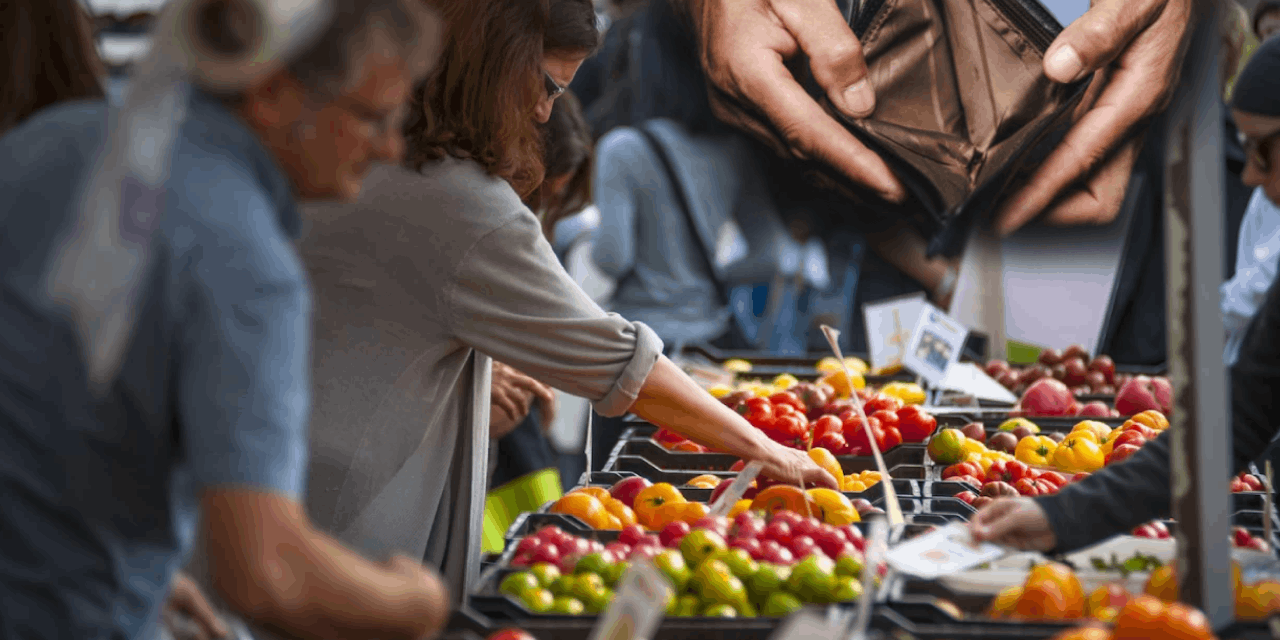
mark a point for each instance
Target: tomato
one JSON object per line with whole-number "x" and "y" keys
{"x": 1147, "y": 432}
{"x": 784, "y": 409}
{"x": 962, "y": 469}
{"x": 916, "y": 424}
{"x": 1130, "y": 437}
{"x": 886, "y": 418}
{"x": 757, "y": 411}
{"x": 1027, "y": 487}
{"x": 891, "y": 438}
{"x": 827, "y": 424}
{"x": 1252, "y": 481}
{"x": 788, "y": 398}
{"x": 1120, "y": 453}
{"x": 856, "y": 436}
{"x": 972, "y": 481}
{"x": 1053, "y": 477}
{"x": 1045, "y": 487}
{"x": 1010, "y": 471}
{"x": 881, "y": 402}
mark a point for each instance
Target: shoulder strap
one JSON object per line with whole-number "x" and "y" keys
{"x": 660, "y": 151}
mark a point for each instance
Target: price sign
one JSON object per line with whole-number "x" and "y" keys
{"x": 638, "y": 607}
{"x": 890, "y": 325}
{"x": 935, "y": 345}
{"x": 944, "y": 551}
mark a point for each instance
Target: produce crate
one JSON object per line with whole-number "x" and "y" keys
{"x": 925, "y": 621}
{"x": 763, "y": 364}
{"x": 720, "y": 463}
{"x": 993, "y": 418}
{"x": 916, "y": 603}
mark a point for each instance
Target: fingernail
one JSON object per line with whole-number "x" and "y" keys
{"x": 1064, "y": 63}
{"x": 859, "y": 99}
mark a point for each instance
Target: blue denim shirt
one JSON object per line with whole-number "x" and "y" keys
{"x": 98, "y": 495}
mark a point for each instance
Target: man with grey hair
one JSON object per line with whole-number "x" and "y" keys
{"x": 202, "y": 433}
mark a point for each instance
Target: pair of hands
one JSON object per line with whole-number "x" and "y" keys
{"x": 1134, "y": 48}
{"x": 513, "y": 396}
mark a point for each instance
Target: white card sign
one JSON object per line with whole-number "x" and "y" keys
{"x": 935, "y": 345}
{"x": 944, "y": 551}
{"x": 970, "y": 379}
{"x": 638, "y": 607}
{"x": 890, "y": 324}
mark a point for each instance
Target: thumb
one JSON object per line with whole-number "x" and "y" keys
{"x": 1098, "y": 37}
{"x": 994, "y": 521}
{"x": 835, "y": 55}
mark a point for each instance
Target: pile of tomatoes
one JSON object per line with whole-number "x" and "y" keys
{"x": 835, "y": 426}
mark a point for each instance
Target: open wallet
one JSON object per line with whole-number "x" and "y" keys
{"x": 963, "y": 108}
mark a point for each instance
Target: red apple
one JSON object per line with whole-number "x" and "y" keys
{"x": 718, "y": 524}
{"x": 673, "y": 533}
{"x": 1047, "y": 397}
{"x": 510, "y": 634}
{"x": 750, "y": 545}
{"x": 1050, "y": 357}
{"x": 626, "y": 490}
{"x": 1120, "y": 453}
{"x": 1058, "y": 372}
{"x": 547, "y": 553}
{"x": 529, "y": 544}
{"x": 1096, "y": 380}
{"x": 632, "y": 534}
{"x": 645, "y": 551}
{"x": 1075, "y": 372}
{"x": 1033, "y": 373}
{"x": 802, "y": 546}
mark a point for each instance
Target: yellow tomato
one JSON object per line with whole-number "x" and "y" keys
{"x": 855, "y": 486}
{"x": 907, "y": 392}
{"x": 842, "y": 385}
{"x": 720, "y": 390}
{"x": 984, "y": 462}
{"x": 739, "y": 507}
{"x": 856, "y": 365}
{"x": 785, "y": 381}
{"x": 828, "y": 365}
{"x": 972, "y": 446}
{"x": 1099, "y": 429}
{"x": 834, "y": 508}
{"x": 737, "y": 366}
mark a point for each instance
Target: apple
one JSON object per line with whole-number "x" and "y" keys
{"x": 802, "y": 546}
{"x": 547, "y": 553}
{"x": 718, "y": 524}
{"x": 773, "y": 552}
{"x": 996, "y": 367}
{"x": 1050, "y": 357}
{"x": 752, "y": 546}
{"x": 1095, "y": 409}
{"x": 806, "y": 527}
{"x": 747, "y": 525}
{"x": 632, "y": 534}
{"x": 626, "y": 490}
{"x": 1075, "y": 372}
{"x": 1004, "y": 441}
{"x": 620, "y": 550}
{"x": 1033, "y": 373}
{"x": 1022, "y": 431}
{"x": 673, "y": 533}
{"x": 1008, "y": 379}
{"x": 645, "y": 551}
{"x": 1047, "y": 398}
{"x": 672, "y": 564}
{"x": 1162, "y": 531}
{"x": 1058, "y": 371}
{"x": 1056, "y": 436}
{"x": 529, "y": 544}
{"x": 1240, "y": 536}
{"x": 975, "y": 431}
{"x": 779, "y": 532}
{"x": 1145, "y": 531}
{"x": 1096, "y": 380}
{"x": 1143, "y": 394}
{"x": 1105, "y": 365}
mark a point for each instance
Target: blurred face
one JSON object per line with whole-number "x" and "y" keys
{"x": 1269, "y": 25}
{"x": 558, "y": 70}
{"x": 327, "y": 148}
{"x": 1262, "y": 152}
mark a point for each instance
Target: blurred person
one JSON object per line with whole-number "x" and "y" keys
{"x": 1266, "y": 19}
{"x": 1124, "y": 495}
{"x": 50, "y": 57}
{"x": 463, "y": 273}
{"x": 1135, "y": 50}
{"x": 203, "y": 432}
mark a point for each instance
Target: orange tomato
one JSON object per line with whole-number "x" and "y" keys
{"x": 1258, "y": 601}
{"x": 585, "y": 507}
{"x": 1180, "y": 622}
{"x": 614, "y": 523}
{"x": 1051, "y": 592}
{"x": 650, "y": 499}
{"x": 1091, "y": 632}
{"x": 599, "y": 493}
{"x": 688, "y": 446}
{"x": 1152, "y": 418}
{"x": 704, "y": 482}
{"x": 783, "y": 497}
{"x": 693, "y": 512}
{"x": 1139, "y": 618}
{"x": 1163, "y": 584}
{"x": 827, "y": 461}
{"x": 740, "y": 506}
{"x": 621, "y": 511}
{"x": 666, "y": 514}
{"x": 1005, "y": 602}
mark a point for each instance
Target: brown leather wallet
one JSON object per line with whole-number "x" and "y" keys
{"x": 963, "y": 108}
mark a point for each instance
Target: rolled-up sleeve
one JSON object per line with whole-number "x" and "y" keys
{"x": 511, "y": 299}
{"x": 244, "y": 387}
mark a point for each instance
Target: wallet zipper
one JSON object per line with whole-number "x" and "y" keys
{"x": 1029, "y": 17}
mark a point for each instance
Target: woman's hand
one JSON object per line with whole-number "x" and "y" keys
{"x": 1014, "y": 522}
{"x": 788, "y": 465}
{"x": 186, "y": 598}
{"x": 513, "y": 394}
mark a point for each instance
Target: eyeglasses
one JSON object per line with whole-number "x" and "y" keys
{"x": 1257, "y": 150}
{"x": 553, "y": 88}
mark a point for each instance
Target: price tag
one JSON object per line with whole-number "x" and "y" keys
{"x": 889, "y": 326}
{"x": 944, "y": 551}
{"x": 736, "y": 490}
{"x": 638, "y": 607}
{"x": 969, "y": 379}
{"x": 935, "y": 345}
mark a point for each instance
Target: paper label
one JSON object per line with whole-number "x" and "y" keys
{"x": 944, "y": 551}
{"x": 736, "y": 490}
{"x": 890, "y": 325}
{"x": 935, "y": 345}
{"x": 638, "y": 607}
{"x": 970, "y": 379}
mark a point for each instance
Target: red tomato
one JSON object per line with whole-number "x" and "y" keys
{"x": 1010, "y": 471}
{"x": 757, "y": 411}
{"x": 1252, "y": 481}
{"x": 890, "y": 439}
{"x": 832, "y": 441}
{"x": 854, "y": 433}
{"x": 881, "y": 402}
{"x": 788, "y": 398}
{"x": 1027, "y": 487}
{"x": 784, "y": 409}
{"x": 1054, "y": 478}
{"x": 886, "y": 418}
{"x": 916, "y": 424}
{"x": 1130, "y": 437}
{"x": 1045, "y": 487}
{"x": 962, "y": 469}
{"x": 827, "y": 424}
{"x": 972, "y": 481}
{"x": 1147, "y": 432}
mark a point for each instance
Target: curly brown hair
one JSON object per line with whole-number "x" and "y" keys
{"x": 479, "y": 103}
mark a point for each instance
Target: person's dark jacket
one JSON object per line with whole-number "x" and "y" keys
{"x": 1120, "y": 497}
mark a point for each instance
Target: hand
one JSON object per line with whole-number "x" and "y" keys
{"x": 1135, "y": 49}
{"x": 512, "y": 395}
{"x": 425, "y": 584}
{"x": 785, "y": 464}
{"x": 744, "y": 45}
{"x": 185, "y": 597}
{"x": 1014, "y": 522}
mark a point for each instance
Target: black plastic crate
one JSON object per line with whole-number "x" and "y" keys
{"x": 647, "y": 469}
{"x": 721, "y": 463}
{"x": 932, "y": 623}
